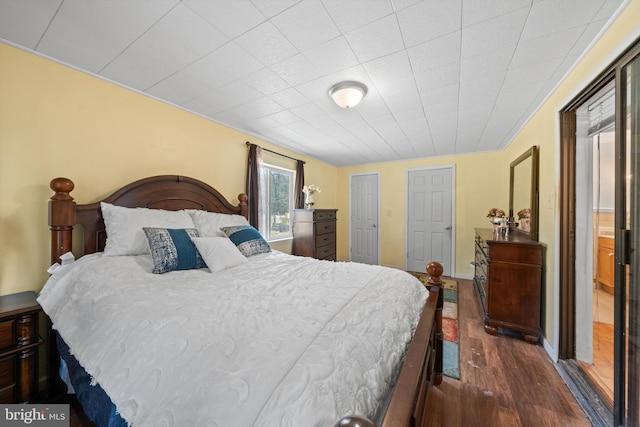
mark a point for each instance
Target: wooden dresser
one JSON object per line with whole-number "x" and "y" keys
{"x": 508, "y": 280}
{"x": 19, "y": 342}
{"x": 314, "y": 233}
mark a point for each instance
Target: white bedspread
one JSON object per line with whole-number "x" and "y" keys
{"x": 278, "y": 341}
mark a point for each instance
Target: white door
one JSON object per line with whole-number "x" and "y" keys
{"x": 430, "y": 218}
{"x": 364, "y": 218}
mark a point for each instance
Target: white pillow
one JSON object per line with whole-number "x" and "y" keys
{"x": 219, "y": 253}
{"x": 209, "y": 223}
{"x": 124, "y": 227}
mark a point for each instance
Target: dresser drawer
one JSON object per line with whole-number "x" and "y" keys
{"x": 7, "y": 329}
{"x": 326, "y": 252}
{"x": 324, "y": 227}
{"x": 325, "y": 239}
{"x": 320, "y": 215}
{"x": 508, "y": 253}
{"x": 7, "y": 394}
{"x": 7, "y": 371}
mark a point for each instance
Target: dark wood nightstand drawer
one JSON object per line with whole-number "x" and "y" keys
{"x": 7, "y": 329}
{"x": 7, "y": 394}
{"x": 19, "y": 342}
{"x": 7, "y": 371}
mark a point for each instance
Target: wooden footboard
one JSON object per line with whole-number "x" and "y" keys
{"x": 422, "y": 367}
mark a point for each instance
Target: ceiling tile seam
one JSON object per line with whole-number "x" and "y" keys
{"x": 277, "y": 14}
{"x": 484, "y": 129}
{"x": 53, "y": 17}
{"x": 138, "y": 38}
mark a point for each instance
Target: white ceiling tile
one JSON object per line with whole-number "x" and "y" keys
{"x": 233, "y": 59}
{"x": 332, "y": 56}
{"x": 487, "y": 64}
{"x": 553, "y": 17}
{"x": 377, "y": 39}
{"x": 476, "y": 11}
{"x": 36, "y": 16}
{"x": 352, "y": 14}
{"x": 296, "y": 70}
{"x": 499, "y": 32}
{"x": 306, "y": 24}
{"x": 546, "y": 48}
{"x": 428, "y": 20}
{"x": 438, "y": 77}
{"x": 240, "y": 92}
{"x": 265, "y": 81}
{"x": 267, "y": 44}
{"x": 82, "y": 31}
{"x": 436, "y": 52}
{"x": 289, "y": 98}
{"x": 270, "y": 8}
{"x": 232, "y": 18}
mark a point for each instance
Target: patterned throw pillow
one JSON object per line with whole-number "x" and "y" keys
{"x": 247, "y": 239}
{"x": 172, "y": 249}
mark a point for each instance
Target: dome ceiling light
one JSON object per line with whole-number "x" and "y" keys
{"x": 347, "y": 94}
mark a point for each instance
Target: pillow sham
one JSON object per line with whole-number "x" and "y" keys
{"x": 248, "y": 240}
{"x": 209, "y": 223}
{"x": 124, "y": 227}
{"x": 173, "y": 249}
{"x": 219, "y": 253}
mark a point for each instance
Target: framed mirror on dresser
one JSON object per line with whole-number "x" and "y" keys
{"x": 523, "y": 193}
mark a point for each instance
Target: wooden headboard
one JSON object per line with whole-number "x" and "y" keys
{"x": 169, "y": 192}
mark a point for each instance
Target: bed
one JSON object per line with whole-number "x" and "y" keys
{"x": 254, "y": 341}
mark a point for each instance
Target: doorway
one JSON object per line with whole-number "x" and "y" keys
{"x": 430, "y": 218}
{"x": 599, "y": 237}
{"x": 595, "y": 241}
{"x": 364, "y": 219}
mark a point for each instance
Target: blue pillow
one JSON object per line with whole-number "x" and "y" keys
{"x": 248, "y": 240}
{"x": 173, "y": 249}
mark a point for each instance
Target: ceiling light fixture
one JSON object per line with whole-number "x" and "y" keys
{"x": 347, "y": 94}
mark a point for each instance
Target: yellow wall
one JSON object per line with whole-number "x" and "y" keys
{"x": 55, "y": 121}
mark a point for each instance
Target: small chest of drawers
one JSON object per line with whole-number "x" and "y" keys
{"x": 19, "y": 342}
{"x": 314, "y": 233}
{"x": 508, "y": 281}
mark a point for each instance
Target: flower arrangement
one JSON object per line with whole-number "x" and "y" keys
{"x": 524, "y": 213}
{"x": 495, "y": 213}
{"x": 308, "y": 191}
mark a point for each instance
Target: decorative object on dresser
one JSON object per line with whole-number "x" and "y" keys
{"x": 19, "y": 342}
{"x": 314, "y": 233}
{"x": 508, "y": 280}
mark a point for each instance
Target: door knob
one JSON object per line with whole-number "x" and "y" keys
{"x": 374, "y": 225}
{"x": 448, "y": 227}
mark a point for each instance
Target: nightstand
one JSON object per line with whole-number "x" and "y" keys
{"x": 19, "y": 342}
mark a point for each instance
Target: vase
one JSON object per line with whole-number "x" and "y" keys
{"x": 308, "y": 200}
{"x": 525, "y": 224}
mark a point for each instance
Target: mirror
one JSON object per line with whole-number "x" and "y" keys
{"x": 523, "y": 193}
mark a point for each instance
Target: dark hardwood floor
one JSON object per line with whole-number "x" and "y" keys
{"x": 503, "y": 381}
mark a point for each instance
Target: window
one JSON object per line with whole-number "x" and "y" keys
{"x": 279, "y": 191}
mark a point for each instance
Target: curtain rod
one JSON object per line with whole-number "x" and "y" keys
{"x": 275, "y": 152}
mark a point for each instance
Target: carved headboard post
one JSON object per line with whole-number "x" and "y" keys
{"x": 62, "y": 217}
{"x": 244, "y": 207}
